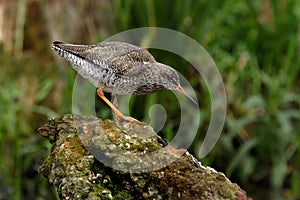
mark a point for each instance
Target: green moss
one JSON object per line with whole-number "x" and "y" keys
{"x": 136, "y": 166}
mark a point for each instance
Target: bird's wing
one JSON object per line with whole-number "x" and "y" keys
{"x": 132, "y": 63}
{"x": 123, "y": 58}
{"x": 85, "y": 52}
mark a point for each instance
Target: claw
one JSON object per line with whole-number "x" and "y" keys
{"x": 126, "y": 118}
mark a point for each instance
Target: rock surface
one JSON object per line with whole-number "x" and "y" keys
{"x": 95, "y": 159}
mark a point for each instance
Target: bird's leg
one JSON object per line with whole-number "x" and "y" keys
{"x": 115, "y": 101}
{"x": 118, "y": 114}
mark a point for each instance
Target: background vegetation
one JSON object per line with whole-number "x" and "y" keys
{"x": 255, "y": 45}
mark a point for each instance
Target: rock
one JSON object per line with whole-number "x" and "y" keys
{"x": 95, "y": 159}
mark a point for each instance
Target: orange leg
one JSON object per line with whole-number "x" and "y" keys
{"x": 118, "y": 114}
{"x": 115, "y": 101}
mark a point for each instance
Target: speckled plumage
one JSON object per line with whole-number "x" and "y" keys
{"x": 121, "y": 67}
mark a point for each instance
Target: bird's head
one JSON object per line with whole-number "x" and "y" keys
{"x": 170, "y": 80}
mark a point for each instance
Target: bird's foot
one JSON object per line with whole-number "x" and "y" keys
{"x": 178, "y": 152}
{"x": 126, "y": 118}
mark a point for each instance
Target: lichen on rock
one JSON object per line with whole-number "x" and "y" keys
{"x": 95, "y": 159}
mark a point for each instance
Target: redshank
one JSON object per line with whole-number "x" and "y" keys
{"x": 120, "y": 69}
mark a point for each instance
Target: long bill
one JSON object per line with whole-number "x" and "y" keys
{"x": 190, "y": 99}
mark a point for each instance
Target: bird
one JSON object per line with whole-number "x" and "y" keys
{"x": 120, "y": 68}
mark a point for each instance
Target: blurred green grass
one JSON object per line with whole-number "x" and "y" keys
{"x": 255, "y": 45}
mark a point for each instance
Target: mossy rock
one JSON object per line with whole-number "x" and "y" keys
{"x": 95, "y": 159}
